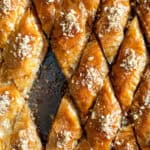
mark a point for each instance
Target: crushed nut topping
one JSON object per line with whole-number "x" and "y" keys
{"x": 131, "y": 61}
{"x": 93, "y": 115}
{"x": 91, "y": 79}
{"x": 109, "y": 125}
{"x": 91, "y": 58}
{"x": 114, "y": 15}
{"x": 127, "y": 145}
{"x": 5, "y": 124}
{"x": 22, "y": 46}
{"x": 24, "y": 137}
{"x": 147, "y": 99}
{"x": 69, "y": 24}
{"x": 63, "y": 138}
{"x": 5, "y": 6}
{"x": 50, "y": 1}
{"x": 23, "y": 141}
{"x": 4, "y": 103}
{"x": 144, "y": 5}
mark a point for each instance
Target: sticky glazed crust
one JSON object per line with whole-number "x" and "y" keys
{"x": 15, "y": 120}
{"x": 24, "y": 134}
{"x": 47, "y": 10}
{"x": 70, "y": 34}
{"x": 66, "y": 129}
{"x": 96, "y": 101}
{"x": 125, "y": 139}
{"x": 11, "y": 104}
{"x": 143, "y": 10}
{"x": 140, "y": 111}
{"x": 89, "y": 116}
{"x": 23, "y": 54}
{"x": 104, "y": 121}
{"x": 46, "y": 13}
{"x": 83, "y": 145}
{"x": 10, "y": 14}
{"x": 110, "y": 25}
{"x": 129, "y": 65}
{"x": 88, "y": 78}
{"x": 91, "y": 7}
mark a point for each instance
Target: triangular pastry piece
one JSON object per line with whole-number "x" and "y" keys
{"x": 70, "y": 33}
{"x": 22, "y": 55}
{"x": 125, "y": 139}
{"x": 10, "y": 106}
{"x": 66, "y": 129}
{"x": 140, "y": 111}
{"x": 104, "y": 122}
{"x": 143, "y": 10}
{"x": 11, "y": 12}
{"x": 110, "y": 25}
{"x": 24, "y": 135}
{"x": 129, "y": 65}
{"x": 89, "y": 76}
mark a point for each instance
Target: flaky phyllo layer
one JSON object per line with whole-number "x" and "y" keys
{"x": 102, "y": 48}
{"x": 103, "y": 73}
{"x": 22, "y": 49}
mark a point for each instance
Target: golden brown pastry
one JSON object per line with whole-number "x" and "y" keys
{"x": 143, "y": 10}
{"x": 15, "y": 120}
{"x": 11, "y": 12}
{"x": 46, "y": 12}
{"x": 10, "y": 105}
{"x": 83, "y": 145}
{"x": 125, "y": 139}
{"x": 24, "y": 136}
{"x": 130, "y": 63}
{"x": 102, "y": 126}
{"x": 88, "y": 78}
{"x": 66, "y": 129}
{"x": 140, "y": 111}
{"x": 70, "y": 33}
{"x": 110, "y": 25}
{"x": 23, "y": 54}
{"x": 91, "y": 7}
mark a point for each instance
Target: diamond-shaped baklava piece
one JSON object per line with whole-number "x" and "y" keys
{"x": 129, "y": 65}
{"x": 11, "y": 12}
{"x": 23, "y": 53}
{"x": 110, "y": 25}
{"x": 89, "y": 76}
